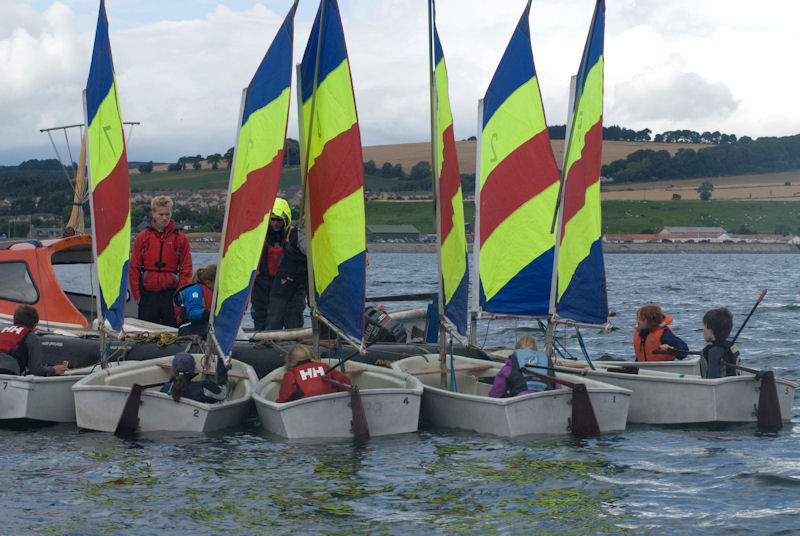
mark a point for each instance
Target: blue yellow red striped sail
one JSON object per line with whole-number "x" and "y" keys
{"x": 581, "y": 273}
{"x": 453, "y": 249}
{"x": 335, "y": 178}
{"x": 254, "y": 182}
{"x": 110, "y": 184}
{"x": 518, "y": 187}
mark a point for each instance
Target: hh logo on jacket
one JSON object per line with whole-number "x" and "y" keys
{"x": 312, "y": 373}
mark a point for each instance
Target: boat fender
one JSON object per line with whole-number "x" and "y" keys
{"x": 380, "y": 327}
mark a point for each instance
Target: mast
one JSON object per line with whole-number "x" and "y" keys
{"x": 436, "y": 192}
{"x": 557, "y": 221}
{"x": 215, "y": 347}
{"x": 476, "y": 234}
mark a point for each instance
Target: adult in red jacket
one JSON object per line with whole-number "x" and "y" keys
{"x": 161, "y": 263}
{"x": 306, "y": 377}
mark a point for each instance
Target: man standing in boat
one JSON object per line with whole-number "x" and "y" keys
{"x": 161, "y": 263}
{"x": 279, "y": 224}
{"x": 289, "y": 293}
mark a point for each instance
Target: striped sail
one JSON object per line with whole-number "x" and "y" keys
{"x": 453, "y": 248}
{"x": 110, "y": 184}
{"x": 581, "y": 273}
{"x": 335, "y": 178}
{"x": 254, "y": 182}
{"x": 518, "y": 187}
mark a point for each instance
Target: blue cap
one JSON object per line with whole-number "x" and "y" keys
{"x": 184, "y": 363}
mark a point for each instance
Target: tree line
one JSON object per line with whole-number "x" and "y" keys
{"x": 762, "y": 155}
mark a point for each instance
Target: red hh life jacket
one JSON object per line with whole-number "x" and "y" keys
{"x": 161, "y": 253}
{"x": 309, "y": 378}
{"x": 644, "y": 348}
{"x": 273, "y": 258}
{"x": 11, "y": 337}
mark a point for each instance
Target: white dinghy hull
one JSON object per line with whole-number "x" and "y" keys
{"x": 37, "y": 397}
{"x": 391, "y": 403}
{"x": 662, "y": 398}
{"x": 689, "y": 366}
{"x": 547, "y": 412}
{"x": 100, "y": 399}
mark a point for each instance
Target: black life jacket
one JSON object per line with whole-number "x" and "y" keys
{"x": 518, "y": 381}
{"x": 731, "y": 356}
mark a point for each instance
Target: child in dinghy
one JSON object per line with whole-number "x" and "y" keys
{"x": 305, "y": 376}
{"x": 510, "y": 381}
{"x": 652, "y": 333}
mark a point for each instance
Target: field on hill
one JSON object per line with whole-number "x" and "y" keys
{"x": 408, "y": 154}
{"x": 630, "y": 217}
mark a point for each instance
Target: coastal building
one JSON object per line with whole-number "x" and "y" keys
{"x": 386, "y": 233}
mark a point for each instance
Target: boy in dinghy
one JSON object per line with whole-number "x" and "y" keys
{"x": 652, "y": 333}
{"x": 717, "y": 325}
{"x": 20, "y": 348}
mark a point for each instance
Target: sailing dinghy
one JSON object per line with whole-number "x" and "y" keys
{"x": 101, "y": 397}
{"x": 333, "y": 182}
{"x": 50, "y": 398}
{"x": 516, "y": 255}
{"x": 580, "y": 293}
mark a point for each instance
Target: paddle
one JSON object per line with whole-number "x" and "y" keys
{"x": 402, "y": 297}
{"x": 129, "y": 419}
{"x": 359, "y": 422}
{"x": 763, "y": 293}
{"x": 584, "y": 421}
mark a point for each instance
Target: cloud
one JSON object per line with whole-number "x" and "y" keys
{"x": 669, "y": 93}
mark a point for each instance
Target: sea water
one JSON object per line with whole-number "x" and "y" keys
{"x": 647, "y": 480}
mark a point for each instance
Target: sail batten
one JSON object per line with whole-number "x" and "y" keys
{"x": 253, "y": 185}
{"x": 581, "y": 293}
{"x": 517, "y": 187}
{"x": 109, "y": 179}
{"x": 453, "y": 256}
{"x": 334, "y": 179}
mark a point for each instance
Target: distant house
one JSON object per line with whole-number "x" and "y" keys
{"x": 385, "y": 233}
{"x": 715, "y": 231}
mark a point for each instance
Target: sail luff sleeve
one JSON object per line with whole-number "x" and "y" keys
{"x": 582, "y": 293}
{"x": 519, "y": 186}
{"x": 255, "y": 181}
{"x": 110, "y": 182}
{"x": 454, "y": 261}
{"x": 335, "y": 177}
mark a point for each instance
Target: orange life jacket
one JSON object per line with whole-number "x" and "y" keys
{"x": 644, "y": 347}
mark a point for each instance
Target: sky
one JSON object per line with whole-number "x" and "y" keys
{"x": 181, "y": 66}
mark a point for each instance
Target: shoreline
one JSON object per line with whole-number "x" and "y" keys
{"x": 673, "y": 247}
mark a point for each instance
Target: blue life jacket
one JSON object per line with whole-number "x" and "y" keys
{"x": 517, "y": 381}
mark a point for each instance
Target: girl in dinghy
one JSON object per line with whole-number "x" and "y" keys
{"x": 510, "y": 381}
{"x": 305, "y": 376}
{"x": 652, "y": 333}
{"x": 180, "y": 385}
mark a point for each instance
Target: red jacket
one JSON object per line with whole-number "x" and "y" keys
{"x": 160, "y": 260}
{"x": 306, "y": 379}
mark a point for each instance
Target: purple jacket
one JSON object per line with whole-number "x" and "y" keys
{"x": 499, "y": 387}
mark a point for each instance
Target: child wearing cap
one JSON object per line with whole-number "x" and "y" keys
{"x": 180, "y": 385}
